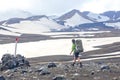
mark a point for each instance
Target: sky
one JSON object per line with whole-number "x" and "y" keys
{"x": 56, "y": 7}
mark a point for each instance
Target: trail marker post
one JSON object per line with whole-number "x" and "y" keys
{"x": 16, "y": 41}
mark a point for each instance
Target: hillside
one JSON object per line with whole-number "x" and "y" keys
{"x": 72, "y": 21}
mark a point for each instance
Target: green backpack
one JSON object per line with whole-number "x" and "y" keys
{"x": 79, "y": 45}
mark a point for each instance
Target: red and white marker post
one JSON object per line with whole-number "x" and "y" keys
{"x": 16, "y": 41}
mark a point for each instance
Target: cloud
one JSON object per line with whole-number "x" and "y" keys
{"x": 99, "y": 6}
{"x": 59, "y": 6}
{"x": 63, "y": 6}
{"x": 14, "y": 4}
{"x": 55, "y": 6}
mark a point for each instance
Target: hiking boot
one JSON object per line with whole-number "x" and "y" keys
{"x": 73, "y": 64}
{"x": 81, "y": 65}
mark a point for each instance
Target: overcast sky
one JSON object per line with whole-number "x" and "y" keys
{"x": 56, "y": 7}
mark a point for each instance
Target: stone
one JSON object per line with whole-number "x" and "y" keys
{"x": 2, "y": 77}
{"x": 9, "y": 61}
{"x": 51, "y": 65}
{"x": 24, "y": 71}
{"x": 59, "y": 77}
{"x": 6, "y": 57}
{"x": 115, "y": 78}
{"x": 43, "y": 70}
{"x": 76, "y": 74}
{"x": 92, "y": 72}
{"x": 105, "y": 67}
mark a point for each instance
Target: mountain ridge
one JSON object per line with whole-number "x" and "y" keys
{"x": 73, "y": 20}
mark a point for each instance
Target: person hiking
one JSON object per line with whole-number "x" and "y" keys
{"x": 75, "y": 53}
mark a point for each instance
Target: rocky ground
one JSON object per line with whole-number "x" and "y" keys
{"x": 91, "y": 70}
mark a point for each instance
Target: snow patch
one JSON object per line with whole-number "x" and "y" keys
{"x": 76, "y": 20}
{"x": 98, "y": 17}
{"x": 35, "y": 27}
{"x": 115, "y": 25}
{"x": 3, "y": 32}
{"x": 53, "y": 47}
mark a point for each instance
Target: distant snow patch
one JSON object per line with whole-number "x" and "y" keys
{"x": 115, "y": 25}
{"x": 3, "y": 32}
{"x": 76, "y": 20}
{"x": 98, "y": 17}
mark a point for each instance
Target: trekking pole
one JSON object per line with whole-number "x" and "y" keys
{"x": 16, "y": 41}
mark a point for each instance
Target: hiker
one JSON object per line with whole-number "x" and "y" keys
{"x": 75, "y": 53}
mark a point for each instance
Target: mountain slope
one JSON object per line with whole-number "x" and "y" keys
{"x": 115, "y": 25}
{"x": 33, "y": 25}
{"x": 96, "y": 17}
{"x": 99, "y": 26}
{"x": 7, "y": 31}
{"x": 74, "y": 18}
{"x": 71, "y": 21}
{"x": 113, "y": 15}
